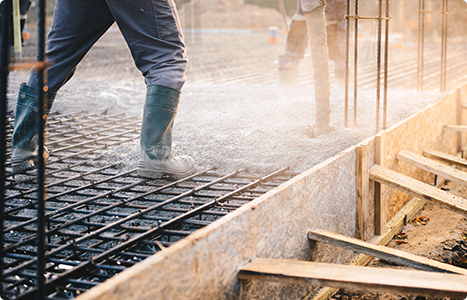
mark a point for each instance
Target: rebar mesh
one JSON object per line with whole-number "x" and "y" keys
{"x": 101, "y": 219}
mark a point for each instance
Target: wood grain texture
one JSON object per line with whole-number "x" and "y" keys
{"x": 434, "y": 167}
{"x": 363, "y": 182}
{"x": 446, "y": 157}
{"x": 380, "y": 159}
{"x": 459, "y": 118}
{"x": 455, "y": 128}
{"x": 386, "y": 253}
{"x": 418, "y": 189}
{"x": 357, "y": 278}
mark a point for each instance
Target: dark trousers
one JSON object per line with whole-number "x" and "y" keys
{"x": 151, "y": 29}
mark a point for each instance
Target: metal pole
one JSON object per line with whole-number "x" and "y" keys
{"x": 444, "y": 46}
{"x": 17, "y": 29}
{"x": 284, "y": 15}
{"x": 355, "y": 64}
{"x": 386, "y": 61}
{"x": 421, "y": 43}
{"x": 378, "y": 64}
{"x": 41, "y": 193}
{"x": 5, "y": 9}
{"x": 347, "y": 61}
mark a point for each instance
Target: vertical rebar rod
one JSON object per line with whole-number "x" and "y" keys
{"x": 5, "y": 8}
{"x": 421, "y": 43}
{"x": 443, "y": 46}
{"x": 347, "y": 61}
{"x": 41, "y": 193}
{"x": 386, "y": 62}
{"x": 355, "y": 94}
{"x": 378, "y": 64}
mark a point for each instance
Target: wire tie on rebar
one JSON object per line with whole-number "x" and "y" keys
{"x": 218, "y": 203}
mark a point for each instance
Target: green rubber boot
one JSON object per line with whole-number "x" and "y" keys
{"x": 156, "y": 136}
{"x": 24, "y": 140}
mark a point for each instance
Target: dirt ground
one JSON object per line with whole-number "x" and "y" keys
{"x": 435, "y": 233}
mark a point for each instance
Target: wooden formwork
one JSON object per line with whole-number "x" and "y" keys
{"x": 337, "y": 196}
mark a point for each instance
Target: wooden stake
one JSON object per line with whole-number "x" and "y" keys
{"x": 446, "y": 157}
{"x": 363, "y": 181}
{"x": 459, "y": 118}
{"x": 434, "y": 167}
{"x": 356, "y": 278}
{"x": 386, "y": 253}
{"x": 380, "y": 159}
{"x": 419, "y": 189}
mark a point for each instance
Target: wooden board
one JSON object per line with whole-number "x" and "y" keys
{"x": 455, "y": 128}
{"x": 446, "y": 157}
{"x": 386, "y": 253}
{"x": 357, "y": 278}
{"x": 393, "y": 227}
{"x": 459, "y": 118}
{"x": 433, "y": 166}
{"x": 363, "y": 182}
{"x": 418, "y": 189}
{"x": 380, "y": 159}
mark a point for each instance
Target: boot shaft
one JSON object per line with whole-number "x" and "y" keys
{"x": 25, "y": 129}
{"x": 158, "y": 117}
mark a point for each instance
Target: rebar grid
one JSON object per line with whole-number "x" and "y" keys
{"x": 443, "y": 69}
{"x": 382, "y": 59}
{"x": 99, "y": 218}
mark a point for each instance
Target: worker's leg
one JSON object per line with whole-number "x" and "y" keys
{"x": 77, "y": 25}
{"x": 294, "y": 50}
{"x": 152, "y": 30}
{"x": 335, "y": 15}
{"x": 316, "y": 25}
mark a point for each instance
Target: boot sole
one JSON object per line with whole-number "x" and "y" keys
{"x": 157, "y": 174}
{"x": 23, "y": 166}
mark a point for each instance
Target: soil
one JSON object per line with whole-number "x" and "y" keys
{"x": 435, "y": 233}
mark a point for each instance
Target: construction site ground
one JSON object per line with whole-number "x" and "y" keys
{"x": 434, "y": 232}
{"x": 233, "y": 114}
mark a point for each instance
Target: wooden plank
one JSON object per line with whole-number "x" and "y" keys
{"x": 363, "y": 191}
{"x": 393, "y": 227}
{"x": 356, "y": 278}
{"x": 456, "y": 128}
{"x": 432, "y": 166}
{"x": 380, "y": 206}
{"x": 459, "y": 118}
{"x": 452, "y": 159}
{"x": 418, "y": 189}
{"x": 386, "y": 253}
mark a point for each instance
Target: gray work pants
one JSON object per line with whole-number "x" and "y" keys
{"x": 151, "y": 29}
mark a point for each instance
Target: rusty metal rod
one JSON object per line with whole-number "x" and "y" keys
{"x": 355, "y": 63}
{"x": 5, "y": 7}
{"x": 386, "y": 66}
{"x": 421, "y": 44}
{"x": 347, "y": 62}
{"x": 378, "y": 64}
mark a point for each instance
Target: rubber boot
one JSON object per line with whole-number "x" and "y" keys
{"x": 156, "y": 136}
{"x": 294, "y": 51}
{"x": 24, "y": 140}
{"x": 288, "y": 70}
{"x": 316, "y": 25}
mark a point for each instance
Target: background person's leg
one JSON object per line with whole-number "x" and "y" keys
{"x": 295, "y": 47}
